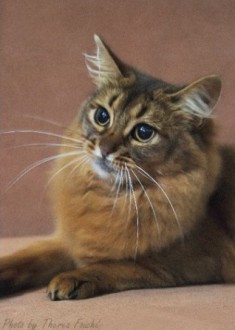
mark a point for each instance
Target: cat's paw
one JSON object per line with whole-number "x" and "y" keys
{"x": 72, "y": 285}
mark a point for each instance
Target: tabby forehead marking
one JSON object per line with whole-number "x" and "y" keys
{"x": 117, "y": 103}
{"x": 136, "y": 110}
{"x": 129, "y": 126}
{"x": 109, "y": 99}
{"x": 113, "y": 99}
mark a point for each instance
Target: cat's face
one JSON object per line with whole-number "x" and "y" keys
{"x": 134, "y": 122}
{"x": 122, "y": 132}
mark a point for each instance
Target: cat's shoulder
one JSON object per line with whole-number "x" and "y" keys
{"x": 227, "y": 153}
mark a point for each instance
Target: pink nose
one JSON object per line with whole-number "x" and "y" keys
{"x": 109, "y": 144}
{"x": 105, "y": 150}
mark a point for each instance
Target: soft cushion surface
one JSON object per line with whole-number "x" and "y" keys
{"x": 195, "y": 308}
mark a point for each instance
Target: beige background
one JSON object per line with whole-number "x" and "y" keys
{"x": 42, "y": 74}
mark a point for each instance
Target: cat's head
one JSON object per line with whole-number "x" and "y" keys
{"x": 134, "y": 121}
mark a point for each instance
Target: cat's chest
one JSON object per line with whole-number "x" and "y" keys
{"x": 104, "y": 227}
{"x": 99, "y": 224}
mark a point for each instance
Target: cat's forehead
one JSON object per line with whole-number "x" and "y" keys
{"x": 130, "y": 102}
{"x": 110, "y": 97}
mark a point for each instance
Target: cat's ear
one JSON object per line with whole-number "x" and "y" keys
{"x": 103, "y": 66}
{"x": 199, "y": 98}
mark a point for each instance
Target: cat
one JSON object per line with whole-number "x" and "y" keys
{"x": 143, "y": 193}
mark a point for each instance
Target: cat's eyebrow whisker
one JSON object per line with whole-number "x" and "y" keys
{"x": 137, "y": 213}
{"x": 144, "y": 173}
{"x": 38, "y": 163}
{"x": 16, "y": 131}
{"x": 148, "y": 199}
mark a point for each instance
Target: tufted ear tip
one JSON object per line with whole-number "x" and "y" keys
{"x": 102, "y": 66}
{"x": 200, "y": 97}
{"x": 100, "y": 44}
{"x": 97, "y": 39}
{"x": 215, "y": 83}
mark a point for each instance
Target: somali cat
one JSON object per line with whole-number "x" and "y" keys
{"x": 144, "y": 196}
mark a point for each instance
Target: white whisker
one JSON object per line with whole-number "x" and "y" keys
{"x": 143, "y": 172}
{"x": 62, "y": 169}
{"x": 54, "y": 175}
{"x": 137, "y": 213}
{"x": 149, "y": 201}
{"x": 38, "y": 163}
{"x": 83, "y": 160}
{"x": 41, "y": 133}
{"x": 83, "y": 163}
{"x": 119, "y": 176}
{"x": 48, "y": 121}
{"x": 43, "y": 145}
{"x": 114, "y": 183}
{"x": 128, "y": 193}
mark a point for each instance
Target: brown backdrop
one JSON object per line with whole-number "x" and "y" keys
{"x": 43, "y": 75}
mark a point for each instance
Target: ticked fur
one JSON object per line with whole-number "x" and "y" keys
{"x": 146, "y": 196}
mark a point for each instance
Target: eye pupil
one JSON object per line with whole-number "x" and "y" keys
{"x": 143, "y": 132}
{"x": 102, "y": 117}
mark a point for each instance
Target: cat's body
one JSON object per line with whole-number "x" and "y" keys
{"x": 148, "y": 198}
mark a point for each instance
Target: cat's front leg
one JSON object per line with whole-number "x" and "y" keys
{"x": 102, "y": 278}
{"x": 33, "y": 266}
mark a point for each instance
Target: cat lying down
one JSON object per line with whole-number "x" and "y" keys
{"x": 143, "y": 194}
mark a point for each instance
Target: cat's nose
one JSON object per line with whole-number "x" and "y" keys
{"x": 105, "y": 150}
{"x": 109, "y": 145}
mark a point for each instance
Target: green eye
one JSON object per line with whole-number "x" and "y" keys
{"x": 143, "y": 132}
{"x": 102, "y": 116}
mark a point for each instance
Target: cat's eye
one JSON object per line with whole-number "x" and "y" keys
{"x": 102, "y": 117}
{"x": 143, "y": 132}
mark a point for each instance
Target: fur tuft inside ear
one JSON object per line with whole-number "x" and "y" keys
{"x": 200, "y": 97}
{"x": 101, "y": 66}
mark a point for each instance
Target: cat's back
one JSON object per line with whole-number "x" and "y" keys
{"x": 223, "y": 200}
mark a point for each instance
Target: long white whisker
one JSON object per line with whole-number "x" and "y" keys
{"x": 38, "y": 163}
{"x": 44, "y": 145}
{"x": 137, "y": 213}
{"x": 55, "y": 174}
{"x": 83, "y": 163}
{"x": 62, "y": 169}
{"x": 122, "y": 176}
{"x": 49, "y": 121}
{"x": 52, "y": 122}
{"x": 143, "y": 172}
{"x": 114, "y": 183}
{"x": 128, "y": 193}
{"x": 40, "y": 133}
{"x": 149, "y": 201}
{"x": 83, "y": 160}
{"x": 118, "y": 188}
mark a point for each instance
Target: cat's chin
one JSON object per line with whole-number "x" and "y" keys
{"x": 103, "y": 170}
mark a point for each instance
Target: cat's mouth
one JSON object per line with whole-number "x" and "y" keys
{"x": 103, "y": 167}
